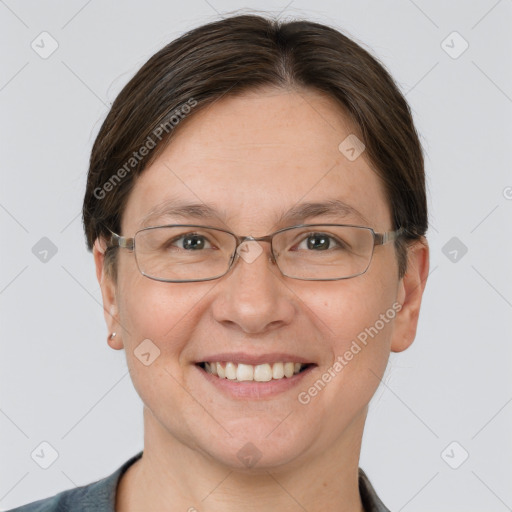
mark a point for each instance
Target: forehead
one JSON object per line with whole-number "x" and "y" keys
{"x": 255, "y": 156}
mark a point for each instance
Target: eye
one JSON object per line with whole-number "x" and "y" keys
{"x": 189, "y": 242}
{"x": 320, "y": 241}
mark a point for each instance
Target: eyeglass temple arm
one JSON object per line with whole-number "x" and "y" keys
{"x": 120, "y": 241}
{"x": 384, "y": 238}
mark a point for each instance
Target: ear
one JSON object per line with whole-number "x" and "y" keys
{"x": 108, "y": 293}
{"x": 410, "y": 293}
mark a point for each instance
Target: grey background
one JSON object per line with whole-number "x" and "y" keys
{"x": 59, "y": 380}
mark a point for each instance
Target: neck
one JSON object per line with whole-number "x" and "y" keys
{"x": 173, "y": 476}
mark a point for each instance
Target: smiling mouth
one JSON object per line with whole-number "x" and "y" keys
{"x": 258, "y": 373}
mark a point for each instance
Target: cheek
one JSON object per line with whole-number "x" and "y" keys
{"x": 356, "y": 317}
{"x": 357, "y": 340}
{"x": 159, "y": 318}
{"x": 149, "y": 308}
{"x": 159, "y": 311}
{"x": 156, "y": 326}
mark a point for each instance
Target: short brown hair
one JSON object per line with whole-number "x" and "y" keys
{"x": 246, "y": 52}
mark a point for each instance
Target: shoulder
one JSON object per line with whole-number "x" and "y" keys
{"x": 94, "y": 497}
{"x": 370, "y": 499}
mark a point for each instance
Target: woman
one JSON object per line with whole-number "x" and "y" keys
{"x": 255, "y": 356}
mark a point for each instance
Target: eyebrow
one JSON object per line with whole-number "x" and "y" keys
{"x": 298, "y": 213}
{"x": 332, "y": 207}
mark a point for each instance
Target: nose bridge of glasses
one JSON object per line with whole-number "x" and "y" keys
{"x": 249, "y": 238}
{"x": 244, "y": 238}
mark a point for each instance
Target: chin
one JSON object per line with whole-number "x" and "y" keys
{"x": 256, "y": 449}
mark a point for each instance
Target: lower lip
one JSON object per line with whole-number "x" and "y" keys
{"x": 253, "y": 389}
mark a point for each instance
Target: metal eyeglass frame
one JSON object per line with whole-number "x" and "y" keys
{"x": 129, "y": 243}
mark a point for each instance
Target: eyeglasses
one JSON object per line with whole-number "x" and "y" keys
{"x": 311, "y": 252}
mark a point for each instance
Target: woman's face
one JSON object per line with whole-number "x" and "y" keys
{"x": 252, "y": 158}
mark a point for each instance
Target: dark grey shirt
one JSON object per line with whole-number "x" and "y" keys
{"x": 100, "y": 496}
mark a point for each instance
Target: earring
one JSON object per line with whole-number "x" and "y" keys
{"x": 112, "y": 336}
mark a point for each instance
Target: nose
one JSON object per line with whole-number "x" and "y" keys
{"x": 253, "y": 296}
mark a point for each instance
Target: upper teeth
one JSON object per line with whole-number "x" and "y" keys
{"x": 260, "y": 372}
